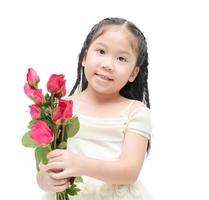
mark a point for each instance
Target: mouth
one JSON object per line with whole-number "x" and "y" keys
{"x": 104, "y": 77}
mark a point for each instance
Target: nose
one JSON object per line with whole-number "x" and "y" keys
{"x": 107, "y": 68}
{"x": 107, "y": 64}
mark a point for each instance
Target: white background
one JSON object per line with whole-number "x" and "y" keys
{"x": 48, "y": 35}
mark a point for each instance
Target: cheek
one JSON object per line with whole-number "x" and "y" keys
{"x": 124, "y": 76}
{"x": 91, "y": 61}
{"x": 89, "y": 70}
{"x": 124, "y": 71}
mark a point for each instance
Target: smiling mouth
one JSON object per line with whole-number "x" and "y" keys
{"x": 104, "y": 77}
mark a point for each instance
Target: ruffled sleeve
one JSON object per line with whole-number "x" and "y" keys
{"x": 139, "y": 122}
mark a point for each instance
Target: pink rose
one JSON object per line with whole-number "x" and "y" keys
{"x": 41, "y": 133}
{"x": 35, "y": 94}
{"x": 38, "y": 96}
{"x": 28, "y": 90}
{"x": 56, "y": 85}
{"x": 64, "y": 110}
{"x": 32, "y": 77}
{"x": 35, "y": 111}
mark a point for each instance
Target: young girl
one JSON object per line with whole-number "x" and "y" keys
{"x": 114, "y": 113}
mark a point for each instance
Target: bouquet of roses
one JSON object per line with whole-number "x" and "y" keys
{"x": 51, "y": 124}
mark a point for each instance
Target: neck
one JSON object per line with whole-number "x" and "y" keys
{"x": 101, "y": 98}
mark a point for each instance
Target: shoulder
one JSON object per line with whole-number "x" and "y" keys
{"x": 139, "y": 120}
{"x": 139, "y": 111}
{"x": 136, "y": 105}
{"x": 73, "y": 97}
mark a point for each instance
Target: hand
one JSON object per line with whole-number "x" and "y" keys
{"x": 65, "y": 161}
{"x": 49, "y": 184}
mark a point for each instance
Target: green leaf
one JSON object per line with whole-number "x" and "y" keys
{"x": 41, "y": 155}
{"x": 62, "y": 145}
{"x": 33, "y": 121}
{"x": 36, "y": 85}
{"x": 49, "y": 123}
{"x": 47, "y": 97}
{"x": 78, "y": 179}
{"x": 27, "y": 141}
{"x": 72, "y": 126}
{"x": 46, "y": 111}
{"x": 73, "y": 190}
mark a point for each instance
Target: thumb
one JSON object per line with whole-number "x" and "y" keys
{"x": 42, "y": 166}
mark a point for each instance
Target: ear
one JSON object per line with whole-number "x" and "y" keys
{"x": 84, "y": 59}
{"x": 134, "y": 74}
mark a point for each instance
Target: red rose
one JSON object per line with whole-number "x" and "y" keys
{"x": 32, "y": 77}
{"x": 35, "y": 111}
{"x": 41, "y": 133}
{"x": 56, "y": 85}
{"x": 64, "y": 110}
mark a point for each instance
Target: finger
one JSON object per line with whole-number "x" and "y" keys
{"x": 58, "y": 176}
{"x": 60, "y": 182}
{"x": 54, "y": 166}
{"x": 42, "y": 166}
{"x": 54, "y": 159}
{"x": 60, "y": 188}
{"x": 55, "y": 170}
{"x": 54, "y": 153}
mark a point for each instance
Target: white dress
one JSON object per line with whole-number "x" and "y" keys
{"x": 102, "y": 138}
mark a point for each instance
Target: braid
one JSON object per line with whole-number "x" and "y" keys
{"x": 77, "y": 81}
{"x": 144, "y": 74}
{"x": 143, "y": 63}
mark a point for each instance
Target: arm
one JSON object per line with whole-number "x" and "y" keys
{"x": 122, "y": 171}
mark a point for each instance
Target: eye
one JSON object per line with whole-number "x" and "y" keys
{"x": 122, "y": 59}
{"x": 100, "y": 51}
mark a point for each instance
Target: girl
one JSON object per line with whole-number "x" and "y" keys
{"x": 113, "y": 110}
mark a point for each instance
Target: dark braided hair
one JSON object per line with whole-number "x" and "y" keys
{"x": 138, "y": 89}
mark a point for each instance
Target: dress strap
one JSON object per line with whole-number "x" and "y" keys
{"x": 130, "y": 104}
{"x": 126, "y": 111}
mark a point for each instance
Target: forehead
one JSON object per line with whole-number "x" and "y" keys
{"x": 117, "y": 36}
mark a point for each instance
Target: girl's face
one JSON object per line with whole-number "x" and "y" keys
{"x": 109, "y": 62}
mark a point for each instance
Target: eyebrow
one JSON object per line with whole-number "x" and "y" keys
{"x": 120, "y": 51}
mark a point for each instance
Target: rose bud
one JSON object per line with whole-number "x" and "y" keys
{"x": 38, "y": 96}
{"x": 35, "y": 111}
{"x": 28, "y": 90}
{"x": 32, "y": 78}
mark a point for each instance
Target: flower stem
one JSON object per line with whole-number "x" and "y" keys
{"x": 55, "y": 137}
{"x": 63, "y": 132}
{"x": 55, "y": 141}
{"x": 50, "y": 147}
{"x": 52, "y": 101}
